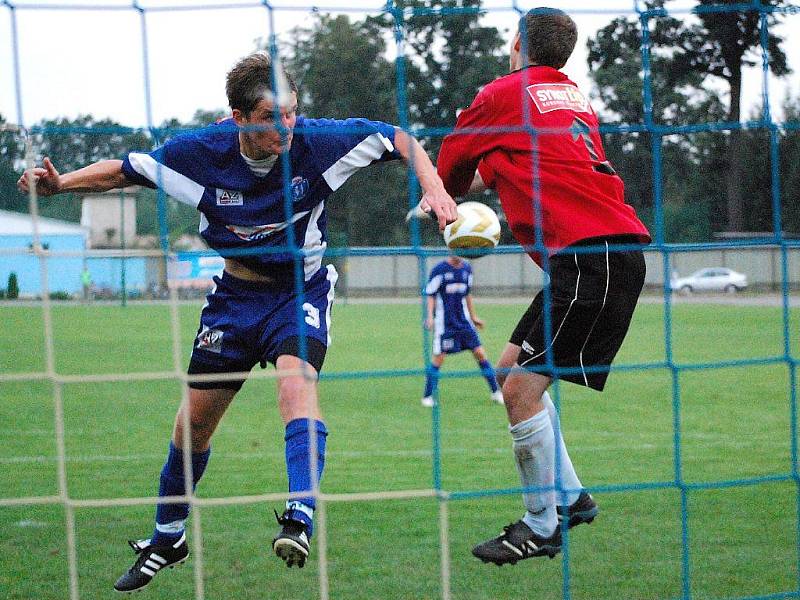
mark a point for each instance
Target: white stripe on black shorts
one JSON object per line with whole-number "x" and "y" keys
{"x": 593, "y": 293}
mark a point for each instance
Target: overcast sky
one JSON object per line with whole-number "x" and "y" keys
{"x": 91, "y": 61}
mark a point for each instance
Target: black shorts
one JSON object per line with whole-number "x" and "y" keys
{"x": 592, "y": 299}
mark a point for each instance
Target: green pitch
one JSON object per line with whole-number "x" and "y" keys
{"x": 736, "y": 424}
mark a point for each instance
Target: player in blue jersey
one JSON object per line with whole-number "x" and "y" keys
{"x": 451, "y": 316}
{"x": 253, "y": 204}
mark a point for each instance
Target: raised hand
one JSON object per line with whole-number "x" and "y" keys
{"x": 46, "y": 179}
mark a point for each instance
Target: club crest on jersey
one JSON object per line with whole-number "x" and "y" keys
{"x": 299, "y": 188}
{"x": 229, "y": 198}
{"x": 210, "y": 340}
{"x": 558, "y": 96}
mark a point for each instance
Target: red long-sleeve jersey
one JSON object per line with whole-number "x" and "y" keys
{"x": 533, "y": 136}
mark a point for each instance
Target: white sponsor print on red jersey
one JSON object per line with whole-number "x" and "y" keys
{"x": 558, "y": 96}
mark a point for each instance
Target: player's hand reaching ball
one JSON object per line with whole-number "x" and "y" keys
{"x": 441, "y": 205}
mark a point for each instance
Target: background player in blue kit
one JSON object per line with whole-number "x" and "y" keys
{"x": 232, "y": 172}
{"x": 451, "y": 316}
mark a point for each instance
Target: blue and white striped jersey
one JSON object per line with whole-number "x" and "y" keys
{"x": 450, "y": 285}
{"x": 245, "y": 216}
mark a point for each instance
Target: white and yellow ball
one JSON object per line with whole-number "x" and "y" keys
{"x": 476, "y": 232}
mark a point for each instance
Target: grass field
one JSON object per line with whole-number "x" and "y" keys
{"x": 735, "y": 424}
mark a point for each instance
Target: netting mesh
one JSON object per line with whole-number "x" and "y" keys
{"x": 660, "y": 247}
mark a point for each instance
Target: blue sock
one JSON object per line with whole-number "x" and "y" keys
{"x": 431, "y": 381}
{"x": 488, "y": 373}
{"x": 298, "y": 468}
{"x": 171, "y": 518}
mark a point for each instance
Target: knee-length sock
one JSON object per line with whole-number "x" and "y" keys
{"x": 171, "y": 518}
{"x": 298, "y": 467}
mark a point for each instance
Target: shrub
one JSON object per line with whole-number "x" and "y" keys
{"x": 12, "y": 290}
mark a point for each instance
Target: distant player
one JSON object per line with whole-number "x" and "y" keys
{"x": 451, "y": 316}
{"x": 533, "y": 136}
{"x": 233, "y": 173}
{"x": 86, "y": 283}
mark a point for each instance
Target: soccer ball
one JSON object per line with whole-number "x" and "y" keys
{"x": 476, "y": 231}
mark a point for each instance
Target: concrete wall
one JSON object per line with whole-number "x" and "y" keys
{"x": 515, "y": 273}
{"x": 386, "y": 275}
{"x": 108, "y": 216}
{"x": 107, "y": 274}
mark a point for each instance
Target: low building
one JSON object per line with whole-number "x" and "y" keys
{"x": 16, "y": 255}
{"x": 108, "y": 274}
{"x": 110, "y": 218}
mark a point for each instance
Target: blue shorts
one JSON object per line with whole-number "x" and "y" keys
{"x": 244, "y": 323}
{"x": 451, "y": 342}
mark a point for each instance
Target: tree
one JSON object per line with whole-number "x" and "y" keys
{"x": 12, "y": 291}
{"x": 790, "y": 175}
{"x": 684, "y": 55}
{"x": 678, "y": 98}
{"x": 201, "y": 118}
{"x": 75, "y": 143}
{"x": 180, "y": 218}
{"x": 726, "y": 42}
{"x": 342, "y": 70}
{"x": 11, "y": 152}
{"x": 450, "y": 56}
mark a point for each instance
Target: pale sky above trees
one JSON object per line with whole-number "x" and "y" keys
{"x": 90, "y": 62}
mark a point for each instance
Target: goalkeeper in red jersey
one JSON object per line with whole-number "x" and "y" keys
{"x": 533, "y": 136}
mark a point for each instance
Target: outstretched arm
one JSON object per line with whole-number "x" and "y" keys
{"x": 434, "y": 196}
{"x": 98, "y": 177}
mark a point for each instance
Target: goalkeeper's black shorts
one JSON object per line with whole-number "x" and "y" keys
{"x": 593, "y": 293}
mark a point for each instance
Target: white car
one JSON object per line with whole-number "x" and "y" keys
{"x": 716, "y": 279}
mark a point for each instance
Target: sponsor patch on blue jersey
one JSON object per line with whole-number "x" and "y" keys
{"x": 229, "y": 198}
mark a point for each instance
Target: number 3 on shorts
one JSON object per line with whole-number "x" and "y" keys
{"x": 312, "y": 315}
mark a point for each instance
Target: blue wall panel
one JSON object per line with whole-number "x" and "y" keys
{"x": 64, "y": 273}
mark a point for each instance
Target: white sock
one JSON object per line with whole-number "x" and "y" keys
{"x": 534, "y": 453}
{"x": 569, "y": 478}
